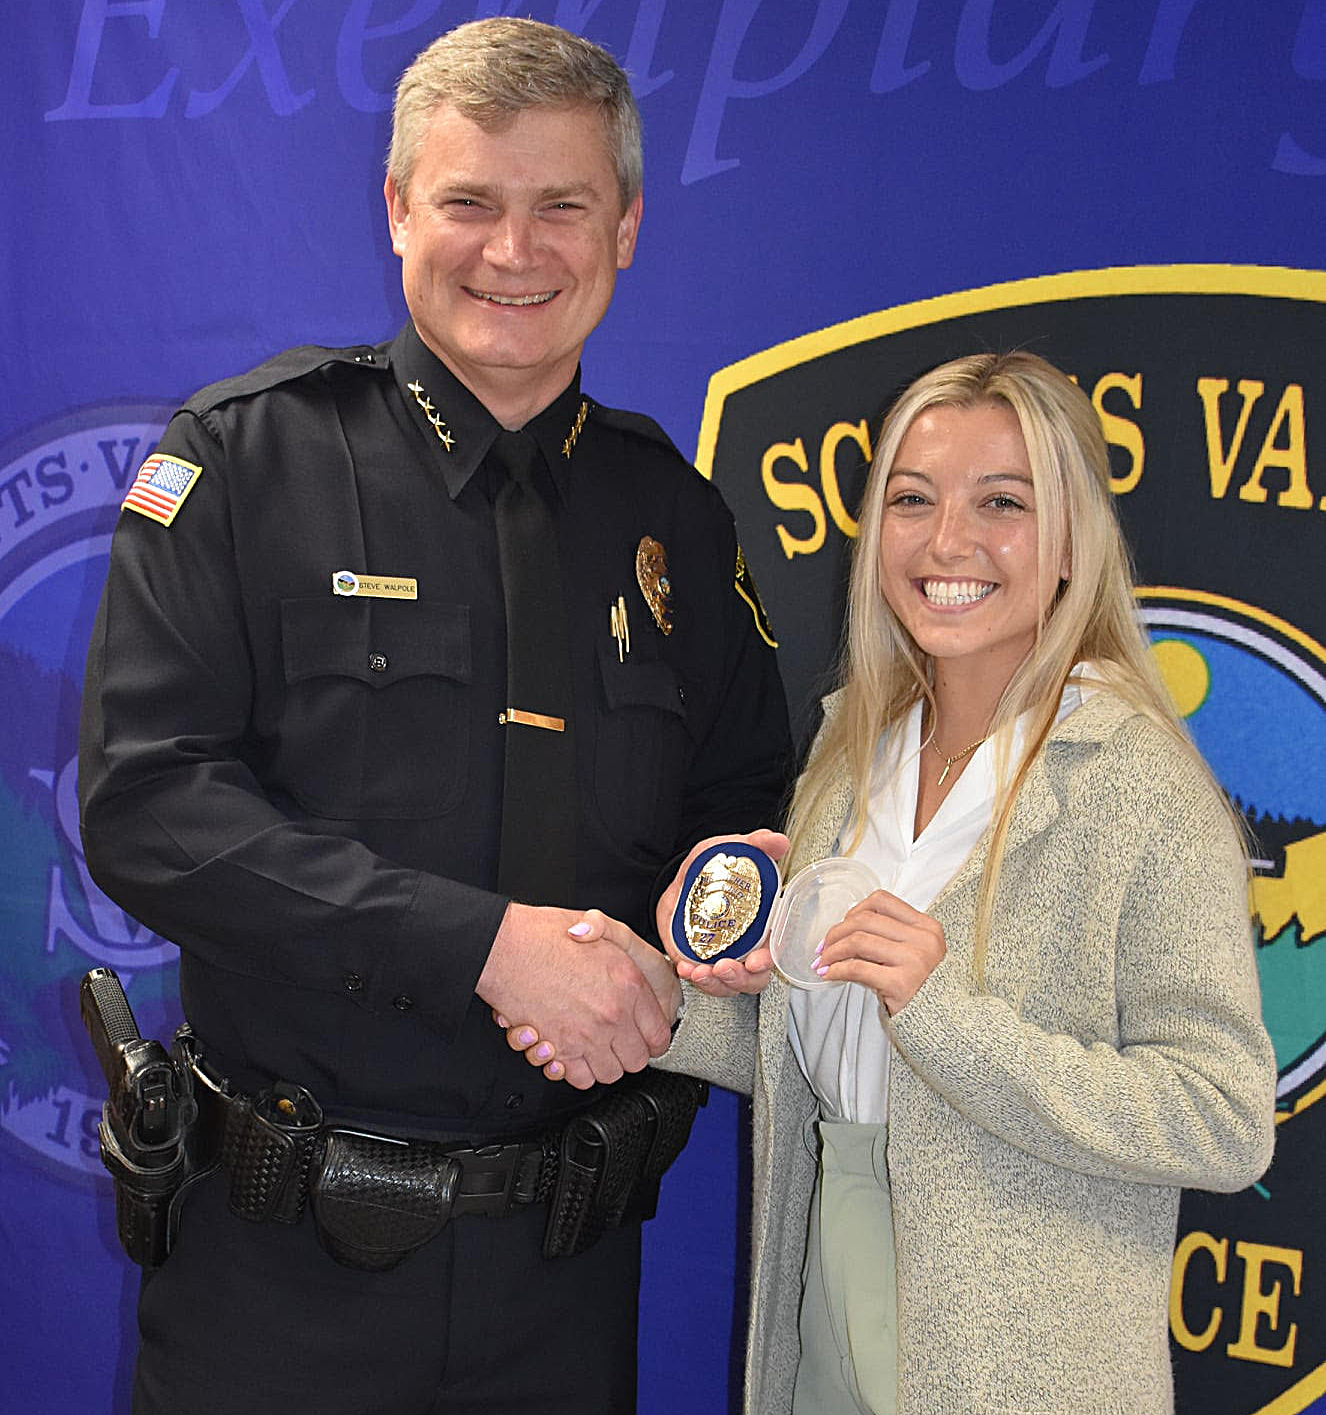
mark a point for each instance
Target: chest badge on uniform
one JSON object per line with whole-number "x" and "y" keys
{"x": 651, "y": 574}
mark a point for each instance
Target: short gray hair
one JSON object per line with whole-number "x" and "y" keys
{"x": 490, "y": 70}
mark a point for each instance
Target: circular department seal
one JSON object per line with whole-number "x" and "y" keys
{"x": 62, "y": 483}
{"x": 1252, "y": 690}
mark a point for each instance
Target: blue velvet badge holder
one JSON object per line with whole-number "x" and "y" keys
{"x": 726, "y": 897}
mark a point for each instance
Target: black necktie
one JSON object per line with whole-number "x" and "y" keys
{"x": 537, "y": 864}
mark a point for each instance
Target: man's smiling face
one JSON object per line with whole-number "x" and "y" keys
{"x": 510, "y": 242}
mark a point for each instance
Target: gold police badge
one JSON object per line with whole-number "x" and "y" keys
{"x": 721, "y": 904}
{"x": 651, "y": 574}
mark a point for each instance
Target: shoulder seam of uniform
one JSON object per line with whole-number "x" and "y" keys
{"x": 285, "y": 367}
{"x": 641, "y": 423}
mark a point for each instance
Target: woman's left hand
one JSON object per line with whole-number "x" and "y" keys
{"x": 886, "y": 945}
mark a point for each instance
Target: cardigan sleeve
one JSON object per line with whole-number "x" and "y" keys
{"x": 715, "y": 1039}
{"x": 1186, "y": 1096}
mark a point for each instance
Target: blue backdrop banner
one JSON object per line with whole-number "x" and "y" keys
{"x": 837, "y": 193}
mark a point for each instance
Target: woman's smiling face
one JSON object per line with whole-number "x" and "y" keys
{"x": 959, "y": 539}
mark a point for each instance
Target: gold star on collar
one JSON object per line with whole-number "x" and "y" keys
{"x": 569, "y": 445}
{"x": 426, "y": 404}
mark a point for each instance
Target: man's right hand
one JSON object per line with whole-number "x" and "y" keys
{"x": 589, "y": 999}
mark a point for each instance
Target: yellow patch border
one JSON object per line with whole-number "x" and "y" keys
{"x": 1270, "y": 281}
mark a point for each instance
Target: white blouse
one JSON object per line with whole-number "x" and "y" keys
{"x": 839, "y": 1034}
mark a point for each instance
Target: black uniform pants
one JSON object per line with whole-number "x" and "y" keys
{"x": 255, "y": 1319}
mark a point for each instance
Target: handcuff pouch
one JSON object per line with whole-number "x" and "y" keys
{"x": 375, "y": 1201}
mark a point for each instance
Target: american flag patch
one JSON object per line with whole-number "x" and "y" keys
{"x": 160, "y": 487}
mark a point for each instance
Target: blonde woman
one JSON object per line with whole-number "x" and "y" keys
{"x": 968, "y": 1160}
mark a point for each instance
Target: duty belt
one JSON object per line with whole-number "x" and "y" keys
{"x": 377, "y": 1198}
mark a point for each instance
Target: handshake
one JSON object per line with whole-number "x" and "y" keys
{"x": 586, "y": 999}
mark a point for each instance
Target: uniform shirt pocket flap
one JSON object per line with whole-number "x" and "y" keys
{"x": 378, "y": 642}
{"x": 638, "y": 682}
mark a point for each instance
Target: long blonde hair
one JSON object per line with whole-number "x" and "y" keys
{"x": 1092, "y": 618}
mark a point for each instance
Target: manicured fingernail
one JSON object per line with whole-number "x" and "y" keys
{"x": 542, "y": 1052}
{"x": 580, "y": 930}
{"x": 555, "y": 1069}
{"x": 819, "y": 948}
{"x": 501, "y": 1021}
{"x": 527, "y": 1036}
{"x": 821, "y": 968}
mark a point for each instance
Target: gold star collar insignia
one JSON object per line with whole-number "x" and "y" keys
{"x": 444, "y": 434}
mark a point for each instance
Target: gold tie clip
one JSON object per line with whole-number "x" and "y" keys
{"x": 531, "y": 719}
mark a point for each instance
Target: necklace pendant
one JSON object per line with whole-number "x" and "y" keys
{"x": 944, "y": 773}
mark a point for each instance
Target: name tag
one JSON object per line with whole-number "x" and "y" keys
{"x": 346, "y": 582}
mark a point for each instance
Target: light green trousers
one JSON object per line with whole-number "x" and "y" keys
{"x": 849, "y": 1302}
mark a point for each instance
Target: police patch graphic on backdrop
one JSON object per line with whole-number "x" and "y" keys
{"x": 1208, "y": 425}
{"x": 62, "y": 487}
{"x": 1210, "y": 416}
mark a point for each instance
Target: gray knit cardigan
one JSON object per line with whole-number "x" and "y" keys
{"x": 1039, "y": 1130}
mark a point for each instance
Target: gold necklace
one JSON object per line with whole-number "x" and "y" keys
{"x": 957, "y": 757}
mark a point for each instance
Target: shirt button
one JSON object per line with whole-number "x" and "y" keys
{"x": 514, "y": 1101}
{"x": 353, "y": 982}
{"x": 403, "y": 1002}
{"x": 378, "y": 662}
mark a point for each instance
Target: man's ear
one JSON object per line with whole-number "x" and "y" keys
{"x": 628, "y": 228}
{"x": 398, "y": 215}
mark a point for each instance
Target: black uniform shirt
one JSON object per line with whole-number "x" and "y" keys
{"x": 303, "y": 788}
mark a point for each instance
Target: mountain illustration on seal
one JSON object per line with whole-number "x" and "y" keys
{"x": 1289, "y": 908}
